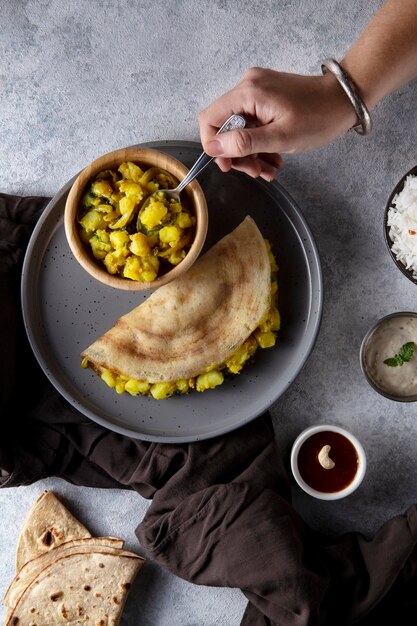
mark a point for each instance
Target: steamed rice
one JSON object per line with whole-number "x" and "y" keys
{"x": 402, "y": 220}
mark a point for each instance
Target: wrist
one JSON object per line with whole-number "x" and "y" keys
{"x": 365, "y": 81}
{"x": 338, "y": 103}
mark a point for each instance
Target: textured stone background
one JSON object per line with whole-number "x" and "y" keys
{"x": 84, "y": 77}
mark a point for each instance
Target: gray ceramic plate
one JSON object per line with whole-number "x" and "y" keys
{"x": 65, "y": 310}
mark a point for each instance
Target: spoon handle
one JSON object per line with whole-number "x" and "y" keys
{"x": 232, "y": 123}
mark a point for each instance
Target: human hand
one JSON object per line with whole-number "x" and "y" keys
{"x": 286, "y": 113}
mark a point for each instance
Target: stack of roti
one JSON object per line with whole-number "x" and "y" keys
{"x": 196, "y": 322}
{"x": 64, "y": 575}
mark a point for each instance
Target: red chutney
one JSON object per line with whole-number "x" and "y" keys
{"x": 342, "y": 452}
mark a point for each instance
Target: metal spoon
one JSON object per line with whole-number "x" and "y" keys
{"x": 234, "y": 122}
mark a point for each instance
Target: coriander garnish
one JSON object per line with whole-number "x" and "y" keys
{"x": 405, "y": 354}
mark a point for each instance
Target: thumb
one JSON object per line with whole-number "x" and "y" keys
{"x": 243, "y": 142}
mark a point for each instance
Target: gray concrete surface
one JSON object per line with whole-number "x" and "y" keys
{"x": 81, "y": 78}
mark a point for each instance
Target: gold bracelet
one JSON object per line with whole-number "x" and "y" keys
{"x": 364, "y": 125}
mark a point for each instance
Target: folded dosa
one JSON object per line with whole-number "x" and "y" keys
{"x": 196, "y": 321}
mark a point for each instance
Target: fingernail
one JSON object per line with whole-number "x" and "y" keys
{"x": 214, "y": 148}
{"x": 268, "y": 177}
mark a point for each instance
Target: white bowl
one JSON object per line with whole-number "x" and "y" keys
{"x": 334, "y": 495}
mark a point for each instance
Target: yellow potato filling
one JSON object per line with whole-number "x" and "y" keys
{"x": 264, "y": 336}
{"x": 135, "y": 234}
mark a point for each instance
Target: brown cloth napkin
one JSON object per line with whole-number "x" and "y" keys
{"x": 220, "y": 512}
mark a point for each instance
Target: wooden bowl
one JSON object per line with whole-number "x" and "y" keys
{"x": 146, "y": 158}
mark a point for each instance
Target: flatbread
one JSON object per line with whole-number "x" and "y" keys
{"x": 77, "y": 589}
{"x": 198, "y": 320}
{"x": 33, "y": 568}
{"x": 47, "y": 525}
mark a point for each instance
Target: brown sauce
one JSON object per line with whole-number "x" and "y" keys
{"x": 342, "y": 452}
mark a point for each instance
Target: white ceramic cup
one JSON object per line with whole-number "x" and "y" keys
{"x": 334, "y": 495}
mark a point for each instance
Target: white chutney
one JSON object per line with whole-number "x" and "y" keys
{"x": 384, "y": 343}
